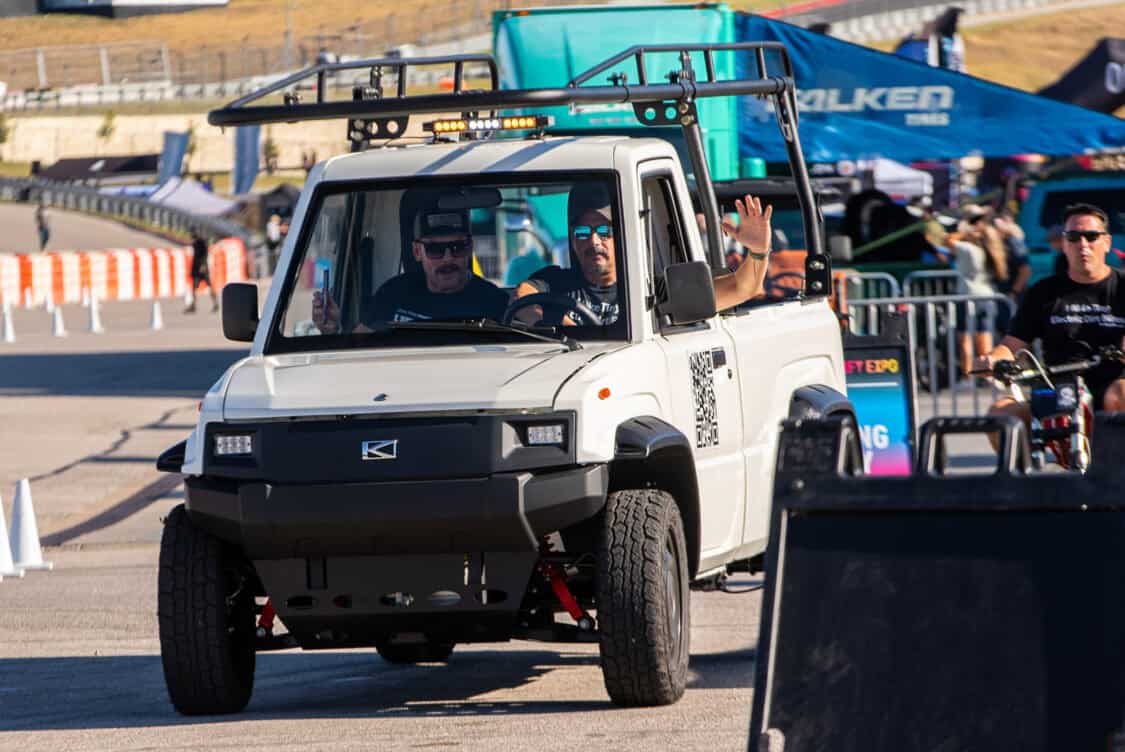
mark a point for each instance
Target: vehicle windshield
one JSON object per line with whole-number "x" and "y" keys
{"x": 374, "y": 259}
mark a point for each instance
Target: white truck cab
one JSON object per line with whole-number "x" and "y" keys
{"x": 404, "y": 461}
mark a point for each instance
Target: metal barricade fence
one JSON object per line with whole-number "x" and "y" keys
{"x": 868, "y": 286}
{"x": 938, "y": 326}
{"x": 931, "y": 282}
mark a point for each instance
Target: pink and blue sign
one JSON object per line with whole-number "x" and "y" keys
{"x": 879, "y": 389}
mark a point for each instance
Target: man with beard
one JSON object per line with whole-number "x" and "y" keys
{"x": 445, "y": 289}
{"x": 594, "y": 281}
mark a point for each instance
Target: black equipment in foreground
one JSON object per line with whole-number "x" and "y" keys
{"x": 942, "y": 612}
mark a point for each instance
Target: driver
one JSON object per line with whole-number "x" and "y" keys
{"x": 594, "y": 282}
{"x": 445, "y": 289}
{"x": 1074, "y": 313}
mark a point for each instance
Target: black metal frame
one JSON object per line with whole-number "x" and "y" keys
{"x": 651, "y": 103}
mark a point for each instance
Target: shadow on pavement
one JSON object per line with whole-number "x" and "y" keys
{"x": 128, "y": 691}
{"x": 162, "y": 373}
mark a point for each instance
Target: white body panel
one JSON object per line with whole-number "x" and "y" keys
{"x": 769, "y": 351}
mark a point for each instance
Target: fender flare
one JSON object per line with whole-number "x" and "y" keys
{"x": 653, "y": 452}
{"x": 819, "y": 401}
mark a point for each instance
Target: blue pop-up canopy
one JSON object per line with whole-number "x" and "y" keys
{"x": 858, "y": 103}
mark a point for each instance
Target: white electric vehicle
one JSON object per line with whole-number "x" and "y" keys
{"x": 410, "y": 483}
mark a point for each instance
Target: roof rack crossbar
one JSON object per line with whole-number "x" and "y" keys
{"x": 395, "y": 64}
{"x": 682, "y": 91}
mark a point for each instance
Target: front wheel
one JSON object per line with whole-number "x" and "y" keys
{"x": 206, "y": 616}
{"x": 642, "y": 599}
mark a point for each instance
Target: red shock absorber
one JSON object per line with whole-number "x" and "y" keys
{"x": 566, "y": 598}
{"x": 265, "y": 619}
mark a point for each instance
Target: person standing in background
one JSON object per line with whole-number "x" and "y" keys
{"x": 200, "y": 272}
{"x": 42, "y": 224}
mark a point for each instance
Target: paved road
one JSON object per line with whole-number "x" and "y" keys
{"x": 69, "y": 232}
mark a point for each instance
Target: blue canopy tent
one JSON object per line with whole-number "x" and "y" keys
{"x": 859, "y": 103}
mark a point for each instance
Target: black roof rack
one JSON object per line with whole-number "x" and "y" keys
{"x": 375, "y": 113}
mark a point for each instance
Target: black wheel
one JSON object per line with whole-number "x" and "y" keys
{"x": 642, "y": 598}
{"x": 206, "y": 621}
{"x": 421, "y": 652}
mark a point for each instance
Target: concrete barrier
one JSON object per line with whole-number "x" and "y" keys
{"x": 115, "y": 274}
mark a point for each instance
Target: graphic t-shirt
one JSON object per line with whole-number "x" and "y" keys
{"x": 1065, "y": 314}
{"x": 572, "y": 283}
{"x": 406, "y": 298}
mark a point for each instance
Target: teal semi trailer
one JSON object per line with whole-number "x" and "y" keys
{"x": 547, "y": 47}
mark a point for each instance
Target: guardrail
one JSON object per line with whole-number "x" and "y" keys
{"x": 127, "y": 208}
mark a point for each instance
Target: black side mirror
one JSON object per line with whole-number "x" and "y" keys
{"x": 689, "y": 294}
{"x": 240, "y": 311}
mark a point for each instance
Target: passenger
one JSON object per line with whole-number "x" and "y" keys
{"x": 594, "y": 281}
{"x": 445, "y": 289}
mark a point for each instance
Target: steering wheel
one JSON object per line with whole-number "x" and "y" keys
{"x": 559, "y": 302}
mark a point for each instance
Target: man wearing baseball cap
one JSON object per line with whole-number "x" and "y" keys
{"x": 592, "y": 280}
{"x": 443, "y": 288}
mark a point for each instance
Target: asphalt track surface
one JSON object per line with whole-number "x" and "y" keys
{"x": 69, "y": 232}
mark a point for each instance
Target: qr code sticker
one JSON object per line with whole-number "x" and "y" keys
{"x": 703, "y": 397}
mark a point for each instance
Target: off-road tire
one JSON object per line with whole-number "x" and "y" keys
{"x": 423, "y": 652}
{"x": 206, "y": 637}
{"x": 642, "y": 599}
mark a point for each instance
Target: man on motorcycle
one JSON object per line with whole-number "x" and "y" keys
{"x": 1074, "y": 313}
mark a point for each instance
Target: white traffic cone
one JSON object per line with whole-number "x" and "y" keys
{"x": 49, "y": 301}
{"x": 157, "y": 320}
{"x": 9, "y": 330}
{"x": 27, "y": 298}
{"x": 95, "y": 315}
{"x": 58, "y": 328}
{"x": 7, "y": 566}
{"x": 85, "y": 297}
{"x": 24, "y": 532}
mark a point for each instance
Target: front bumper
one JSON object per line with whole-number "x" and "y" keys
{"x": 503, "y": 512}
{"x": 352, "y": 563}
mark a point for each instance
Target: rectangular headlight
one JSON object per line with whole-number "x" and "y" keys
{"x": 233, "y": 444}
{"x": 552, "y": 433}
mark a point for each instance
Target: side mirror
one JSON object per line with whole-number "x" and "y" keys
{"x": 689, "y": 293}
{"x": 240, "y": 311}
{"x": 840, "y": 248}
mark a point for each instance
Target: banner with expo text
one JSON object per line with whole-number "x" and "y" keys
{"x": 879, "y": 389}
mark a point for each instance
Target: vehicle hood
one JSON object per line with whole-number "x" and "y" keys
{"x": 414, "y": 380}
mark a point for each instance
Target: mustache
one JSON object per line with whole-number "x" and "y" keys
{"x": 448, "y": 268}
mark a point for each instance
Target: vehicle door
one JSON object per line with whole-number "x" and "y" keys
{"x": 704, "y": 399}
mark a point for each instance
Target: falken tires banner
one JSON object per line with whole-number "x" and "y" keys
{"x": 858, "y": 103}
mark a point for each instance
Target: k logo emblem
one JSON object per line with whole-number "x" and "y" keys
{"x": 380, "y": 450}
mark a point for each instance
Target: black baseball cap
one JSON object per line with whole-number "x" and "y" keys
{"x": 432, "y": 221}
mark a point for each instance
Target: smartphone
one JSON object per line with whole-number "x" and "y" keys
{"x": 324, "y": 289}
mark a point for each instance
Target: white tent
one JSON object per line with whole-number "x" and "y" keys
{"x": 898, "y": 180}
{"x": 190, "y": 196}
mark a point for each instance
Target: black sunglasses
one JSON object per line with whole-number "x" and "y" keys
{"x": 585, "y": 232}
{"x": 1074, "y": 236}
{"x": 436, "y": 249}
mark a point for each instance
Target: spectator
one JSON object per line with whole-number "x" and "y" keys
{"x": 972, "y": 263}
{"x": 42, "y": 224}
{"x": 273, "y": 240}
{"x": 1015, "y": 252}
{"x": 199, "y": 271}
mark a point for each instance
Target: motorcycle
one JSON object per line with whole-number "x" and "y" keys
{"x": 1062, "y": 413}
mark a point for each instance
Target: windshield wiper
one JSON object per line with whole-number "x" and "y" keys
{"x": 477, "y": 325}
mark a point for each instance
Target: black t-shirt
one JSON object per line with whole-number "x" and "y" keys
{"x": 406, "y": 298}
{"x": 1065, "y": 313}
{"x": 572, "y": 283}
{"x": 198, "y": 257}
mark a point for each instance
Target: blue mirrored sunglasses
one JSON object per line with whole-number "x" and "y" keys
{"x": 584, "y": 232}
